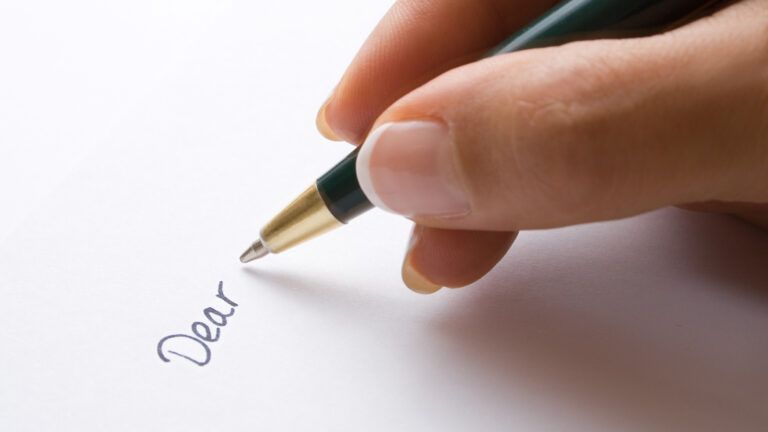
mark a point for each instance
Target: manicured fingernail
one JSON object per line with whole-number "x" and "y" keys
{"x": 322, "y": 122}
{"x": 416, "y": 282}
{"x": 412, "y": 278}
{"x": 408, "y": 168}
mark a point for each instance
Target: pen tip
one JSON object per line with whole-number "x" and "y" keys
{"x": 256, "y": 251}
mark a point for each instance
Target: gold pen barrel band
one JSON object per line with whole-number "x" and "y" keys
{"x": 306, "y": 217}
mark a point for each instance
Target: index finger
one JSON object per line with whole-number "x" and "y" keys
{"x": 416, "y": 41}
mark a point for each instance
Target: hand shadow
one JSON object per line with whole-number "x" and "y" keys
{"x": 660, "y": 321}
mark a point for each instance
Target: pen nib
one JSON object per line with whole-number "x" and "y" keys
{"x": 256, "y": 251}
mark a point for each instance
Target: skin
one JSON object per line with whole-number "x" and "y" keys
{"x": 588, "y": 131}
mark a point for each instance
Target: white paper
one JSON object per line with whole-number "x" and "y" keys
{"x": 653, "y": 323}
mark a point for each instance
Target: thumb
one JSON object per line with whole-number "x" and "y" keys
{"x": 584, "y": 132}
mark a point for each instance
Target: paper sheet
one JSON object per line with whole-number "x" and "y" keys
{"x": 653, "y": 323}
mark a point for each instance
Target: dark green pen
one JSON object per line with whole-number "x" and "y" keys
{"x": 336, "y": 197}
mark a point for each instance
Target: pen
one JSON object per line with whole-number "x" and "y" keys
{"x": 336, "y": 197}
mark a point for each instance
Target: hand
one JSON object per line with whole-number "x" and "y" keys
{"x": 551, "y": 137}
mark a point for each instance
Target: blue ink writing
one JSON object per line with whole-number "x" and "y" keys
{"x": 195, "y": 348}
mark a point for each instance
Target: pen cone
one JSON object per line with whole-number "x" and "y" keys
{"x": 256, "y": 251}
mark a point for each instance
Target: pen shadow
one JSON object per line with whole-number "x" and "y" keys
{"x": 330, "y": 295}
{"x": 289, "y": 281}
{"x": 599, "y": 328}
{"x": 632, "y": 349}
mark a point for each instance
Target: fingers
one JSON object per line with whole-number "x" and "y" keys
{"x": 584, "y": 132}
{"x": 413, "y": 43}
{"x": 444, "y": 258}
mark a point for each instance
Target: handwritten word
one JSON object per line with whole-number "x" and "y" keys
{"x": 195, "y": 348}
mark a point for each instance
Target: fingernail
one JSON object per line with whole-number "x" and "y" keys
{"x": 408, "y": 168}
{"x": 322, "y": 122}
{"x": 412, "y": 278}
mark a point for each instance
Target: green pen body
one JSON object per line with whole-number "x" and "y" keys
{"x": 341, "y": 191}
{"x": 568, "y": 21}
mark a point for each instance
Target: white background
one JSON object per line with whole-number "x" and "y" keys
{"x": 142, "y": 144}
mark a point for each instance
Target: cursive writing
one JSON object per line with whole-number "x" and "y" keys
{"x": 194, "y": 348}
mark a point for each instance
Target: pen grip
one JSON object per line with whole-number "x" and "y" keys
{"x": 569, "y": 20}
{"x": 341, "y": 191}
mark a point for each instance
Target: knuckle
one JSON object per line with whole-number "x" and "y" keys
{"x": 559, "y": 123}
{"x": 571, "y": 90}
{"x": 557, "y": 112}
{"x": 566, "y": 175}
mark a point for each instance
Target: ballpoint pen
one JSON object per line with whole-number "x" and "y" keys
{"x": 336, "y": 197}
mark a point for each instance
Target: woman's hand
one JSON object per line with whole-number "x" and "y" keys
{"x": 551, "y": 137}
